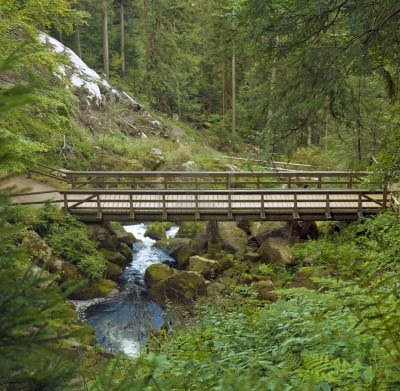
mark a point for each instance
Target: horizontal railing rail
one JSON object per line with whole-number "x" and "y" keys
{"x": 210, "y": 180}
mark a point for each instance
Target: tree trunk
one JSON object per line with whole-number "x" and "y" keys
{"x": 106, "y": 62}
{"x": 234, "y": 89}
{"x": 78, "y": 42}
{"x": 122, "y": 17}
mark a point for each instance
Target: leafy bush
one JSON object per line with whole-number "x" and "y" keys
{"x": 93, "y": 265}
{"x": 71, "y": 242}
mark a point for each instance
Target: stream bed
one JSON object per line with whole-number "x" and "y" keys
{"x": 123, "y": 322}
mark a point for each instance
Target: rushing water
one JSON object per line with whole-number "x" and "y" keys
{"x": 121, "y": 323}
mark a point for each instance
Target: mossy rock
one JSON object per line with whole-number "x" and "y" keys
{"x": 276, "y": 251}
{"x": 183, "y": 287}
{"x": 233, "y": 239}
{"x": 157, "y": 273}
{"x": 37, "y": 247}
{"x": 95, "y": 289}
{"x": 119, "y": 231}
{"x": 114, "y": 257}
{"x": 191, "y": 229}
{"x": 158, "y": 231}
{"x": 258, "y": 227}
{"x": 206, "y": 267}
{"x": 69, "y": 273}
{"x": 125, "y": 250}
{"x": 102, "y": 235}
{"x": 177, "y": 248}
{"x": 113, "y": 271}
{"x": 264, "y": 290}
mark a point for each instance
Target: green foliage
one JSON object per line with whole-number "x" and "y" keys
{"x": 71, "y": 242}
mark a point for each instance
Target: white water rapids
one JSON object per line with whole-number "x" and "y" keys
{"x": 121, "y": 323}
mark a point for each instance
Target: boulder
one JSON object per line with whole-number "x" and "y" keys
{"x": 114, "y": 257}
{"x": 206, "y": 267}
{"x": 183, "y": 287}
{"x": 258, "y": 227}
{"x": 177, "y": 248}
{"x": 43, "y": 276}
{"x": 233, "y": 239}
{"x": 125, "y": 250}
{"x": 270, "y": 229}
{"x": 122, "y": 236}
{"x": 69, "y": 273}
{"x": 252, "y": 256}
{"x": 157, "y": 273}
{"x": 264, "y": 290}
{"x": 97, "y": 232}
{"x": 158, "y": 231}
{"x": 113, "y": 271}
{"x": 96, "y": 289}
{"x": 37, "y": 247}
{"x": 276, "y": 251}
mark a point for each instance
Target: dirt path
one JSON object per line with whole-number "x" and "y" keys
{"x": 27, "y": 185}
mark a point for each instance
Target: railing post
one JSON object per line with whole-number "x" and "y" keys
{"x": 196, "y": 183}
{"x": 164, "y": 214}
{"x": 258, "y": 181}
{"x": 165, "y": 182}
{"x": 230, "y": 215}
{"x": 131, "y": 211}
{"x": 289, "y": 183}
{"x": 73, "y": 181}
{"x": 296, "y": 215}
{"x": 385, "y": 197}
{"x": 319, "y": 181}
{"x": 99, "y": 213}
{"x": 65, "y": 203}
{"x": 197, "y": 211}
{"x": 328, "y": 208}
{"x": 360, "y": 207}
{"x": 350, "y": 185}
{"x": 263, "y": 216}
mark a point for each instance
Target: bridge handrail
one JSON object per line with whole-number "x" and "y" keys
{"x": 227, "y": 179}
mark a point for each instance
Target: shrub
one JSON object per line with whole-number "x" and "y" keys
{"x": 92, "y": 266}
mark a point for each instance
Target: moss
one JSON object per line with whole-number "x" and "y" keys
{"x": 158, "y": 231}
{"x": 94, "y": 289}
{"x": 156, "y": 273}
{"x": 190, "y": 229}
{"x": 114, "y": 257}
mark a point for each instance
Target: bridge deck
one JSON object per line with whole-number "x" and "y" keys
{"x": 223, "y": 205}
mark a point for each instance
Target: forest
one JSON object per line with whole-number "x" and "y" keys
{"x": 241, "y": 87}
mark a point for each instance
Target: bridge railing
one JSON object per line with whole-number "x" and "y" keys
{"x": 214, "y": 180}
{"x": 272, "y": 204}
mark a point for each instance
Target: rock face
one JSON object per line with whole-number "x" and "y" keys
{"x": 99, "y": 233}
{"x": 157, "y": 273}
{"x": 206, "y": 267}
{"x": 233, "y": 239}
{"x": 264, "y": 290}
{"x": 259, "y": 227}
{"x": 125, "y": 250}
{"x": 276, "y": 251}
{"x": 154, "y": 159}
{"x": 177, "y": 248}
{"x": 183, "y": 287}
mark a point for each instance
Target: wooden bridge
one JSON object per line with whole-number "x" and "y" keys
{"x": 128, "y": 196}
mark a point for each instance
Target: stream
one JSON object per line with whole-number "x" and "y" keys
{"x": 122, "y": 322}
